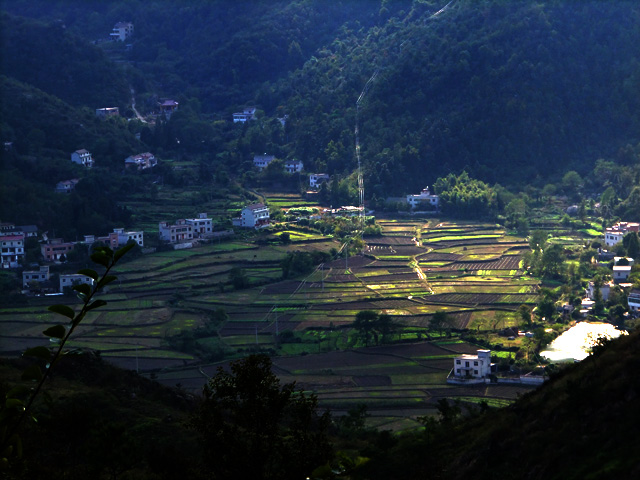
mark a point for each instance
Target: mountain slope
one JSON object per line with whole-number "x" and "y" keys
{"x": 51, "y": 59}
{"x": 506, "y": 90}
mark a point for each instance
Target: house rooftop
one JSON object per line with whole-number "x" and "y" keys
{"x": 256, "y": 206}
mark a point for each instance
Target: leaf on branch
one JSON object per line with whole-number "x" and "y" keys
{"x": 77, "y": 320}
{"x": 14, "y": 403}
{"x": 38, "y": 352}
{"x": 32, "y": 372}
{"x": 83, "y": 289}
{"x": 63, "y": 310}
{"x": 18, "y": 391}
{"x": 101, "y": 258}
{"x": 121, "y": 251}
{"x": 57, "y": 331}
{"x": 89, "y": 273}
{"x": 107, "y": 279}
{"x": 96, "y": 304}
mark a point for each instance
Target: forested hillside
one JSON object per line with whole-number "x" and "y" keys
{"x": 44, "y": 131}
{"x": 48, "y": 57}
{"x": 511, "y": 92}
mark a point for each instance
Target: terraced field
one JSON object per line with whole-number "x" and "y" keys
{"x": 417, "y": 267}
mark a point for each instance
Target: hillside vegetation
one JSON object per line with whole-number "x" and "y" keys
{"x": 510, "y": 91}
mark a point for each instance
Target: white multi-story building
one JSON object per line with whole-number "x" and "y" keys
{"x": 616, "y": 233}
{"x": 12, "y": 250}
{"x": 293, "y": 166}
{"x": 141, "y": 161}
{"x": 180, "y": 232}
{"x": 261, "y": 161}
{"x": 244, "y": 116}
{"x": 82, "y": 157}
{"x": 254, "y": 216}
{"x": 201, "y": 226}
{"x": 73, "y": 279}
{"x": 66, "y": 186}
{"x": 634, "y": 300}
{"x": 317, "y": 179}
{"x": 40, "y": 276}
{"x": 605, "y": 290}
{"x": 621, "y": 273}
{"x": 473, "y": 366}
{"x": 119, "y": 237}
{"x": 121, "y": 31}
{"x": 424, "y": 198}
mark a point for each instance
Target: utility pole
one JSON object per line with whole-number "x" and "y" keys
{"x": 346, "y": 258}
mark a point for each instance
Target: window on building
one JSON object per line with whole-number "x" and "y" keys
{"x": 476, "y": 372}
{"x": 457, "y": 362}
{"x": 475, "y": 364}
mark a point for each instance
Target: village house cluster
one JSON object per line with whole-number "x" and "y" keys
{"x": 614, "y": 235}
{"x": 290, "y": 166}
{"x": 185, "y": 230}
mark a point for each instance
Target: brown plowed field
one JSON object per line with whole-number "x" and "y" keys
{"x": 390, "y": 240}
{"x": 506, "y": 262}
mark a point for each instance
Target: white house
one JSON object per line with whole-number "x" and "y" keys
{"x": 247, "y": 114}
{"x": 316, "y": 179}
{"x": 605, "y": 289}
{"x": 82, "y": 157}
{"x": 40, "y": 276}
{"x": 73, "y": 279}
{"x": 616, "y": 233}
{"x": 254, "y": 216}
{"x": 293, "y": 166}
{"x": 621, "y": 273}
{"x": 630, "y": 261}
{"x": 121, "y": 31}
{"x": 180, "y": 232}
{"x": 107, "y": 112}
{"x": 473, "y": 366}
{"x": 119, "y": 237}
{"x": 141, "y": 161}
{"x": 26, "y": 230}
{"x": 12, "y": 250}
{"x": 261, "y": 161}
{"x": 201, "y": 226}
{"x": 424, "y": 198}
{"x": 66, "y": 186}
{"x": 634, "y": 300}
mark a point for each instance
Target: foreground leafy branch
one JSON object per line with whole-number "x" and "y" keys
{"x": 19, "y": 400}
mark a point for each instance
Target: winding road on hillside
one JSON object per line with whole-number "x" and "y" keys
{"x": 133, "y": 106}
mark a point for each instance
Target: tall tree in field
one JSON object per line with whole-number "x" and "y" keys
{"x": 252, "y": 427}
